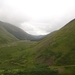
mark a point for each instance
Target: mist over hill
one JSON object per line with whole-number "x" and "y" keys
{"x": 18, "y": 32}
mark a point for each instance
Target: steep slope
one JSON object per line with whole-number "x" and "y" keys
{"x": 19, "y": 33}
{"x": 5, "y": 36}
{"x": 59, "y": 47}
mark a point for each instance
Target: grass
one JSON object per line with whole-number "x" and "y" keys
{"x": 35, "y": 57}
{"x": 59, "y": 44}
{"x": 5, "y": 36}
{"x": 20, "y": 60}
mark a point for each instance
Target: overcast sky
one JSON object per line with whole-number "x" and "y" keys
{"x": 37, "y": 17}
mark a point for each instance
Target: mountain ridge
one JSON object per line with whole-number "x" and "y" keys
{"x": 18, "y": 32}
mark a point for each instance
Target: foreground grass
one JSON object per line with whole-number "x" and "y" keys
{"x": 64, "y": 70}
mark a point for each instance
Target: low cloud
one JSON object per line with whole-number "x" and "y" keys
{"x": 37, "y": 17}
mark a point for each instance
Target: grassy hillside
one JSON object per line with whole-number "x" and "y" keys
{"x": 18, "y": 59}
{"x": 59, "y": 46}
{"x": 19, "y": 33}
{"x": 16, "y": 55}
{"x": 5, "y": 36}
{"x": 53, "y": 55}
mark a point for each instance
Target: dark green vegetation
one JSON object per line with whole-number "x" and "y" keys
{"x": 54, "y": 55}
{"x": 18, "y": 59}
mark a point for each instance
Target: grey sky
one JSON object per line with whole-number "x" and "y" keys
{"x": 37, "y": 16}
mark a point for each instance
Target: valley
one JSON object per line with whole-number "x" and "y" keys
{"x": 52, "y": 55}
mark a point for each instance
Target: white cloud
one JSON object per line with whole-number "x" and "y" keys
{"x": 34, "y": 28}
{"x": 37, "y": 16}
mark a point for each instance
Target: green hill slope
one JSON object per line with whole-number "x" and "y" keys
{"x": 5, "y": 36}
{"x": 54, "y": 54}
{"x": 59, "y": 47}
{"x": 19, "y": 33}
